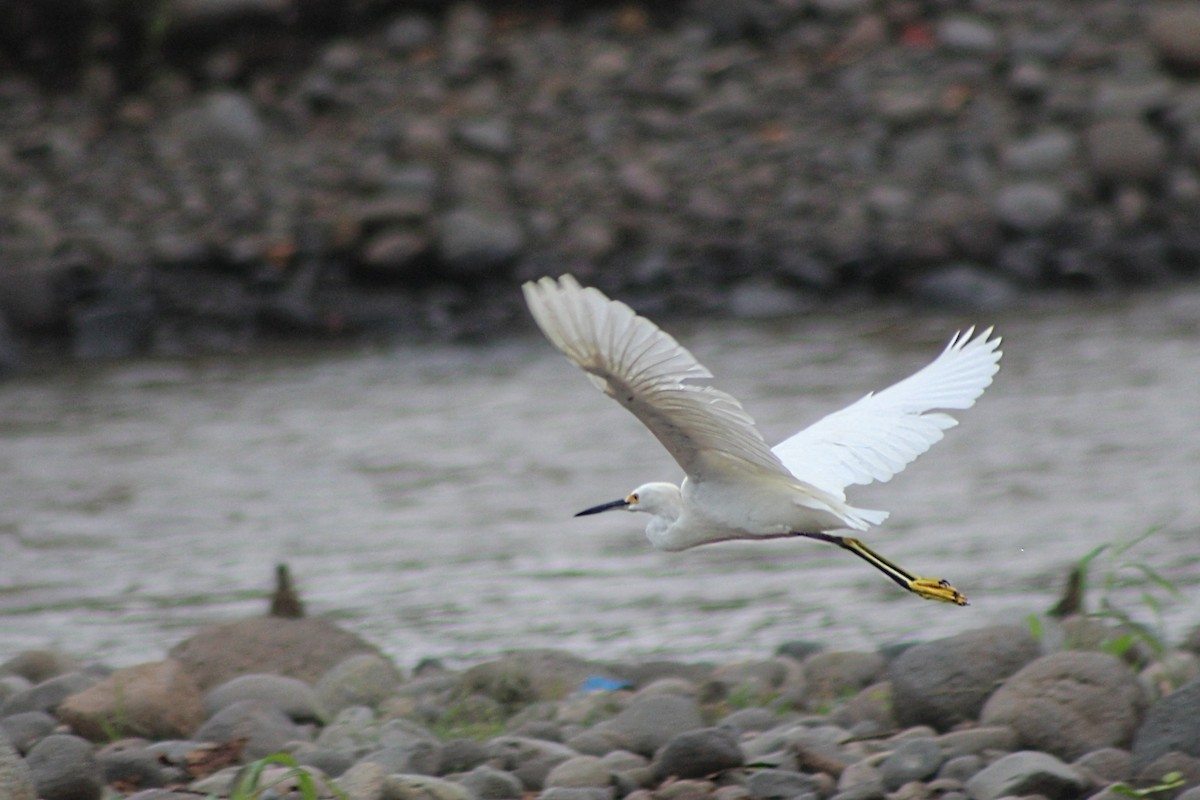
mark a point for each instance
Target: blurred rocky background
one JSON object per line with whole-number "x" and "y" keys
{"x": 181, "y": 176}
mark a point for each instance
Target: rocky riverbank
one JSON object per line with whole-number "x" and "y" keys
{"x": 193, "y": 175}
{"x": 985, "y": 714}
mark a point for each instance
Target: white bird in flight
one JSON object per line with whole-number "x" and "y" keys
{"x": 736, "y": 487}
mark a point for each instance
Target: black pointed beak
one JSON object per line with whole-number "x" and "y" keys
{"x": 603, "y": 507}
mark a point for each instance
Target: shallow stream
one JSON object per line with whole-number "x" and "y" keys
{"x": 423, "y": 495}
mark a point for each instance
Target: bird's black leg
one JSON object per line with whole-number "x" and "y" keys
{"x": 929, "y": 588}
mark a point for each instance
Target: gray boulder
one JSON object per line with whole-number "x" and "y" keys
{"x": 947, "y": 681}
{"x": 1069, "y": 703}
{"x": 650, "y": 721}
{"x": 912, "y": 760}
{"x": 363, "y": 679}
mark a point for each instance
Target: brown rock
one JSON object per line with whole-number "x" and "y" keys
{"x": 1174, "y": 30}
{"x": 299, "y": 648}
{"x": 157, "y": 700}
{"x": 1069, "y": 704}
{"x": 1125, "y": 150}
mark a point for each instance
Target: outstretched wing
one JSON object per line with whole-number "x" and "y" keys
{"x": 644, "y": 369}
{"x": 881, "y": 434}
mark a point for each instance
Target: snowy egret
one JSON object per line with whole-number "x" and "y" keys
{"x": 736, "y": 487}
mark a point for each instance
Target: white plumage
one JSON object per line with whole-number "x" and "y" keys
{"x": 737, "y": 487}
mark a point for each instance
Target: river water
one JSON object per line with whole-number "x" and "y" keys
{"x": 422, "y": 495}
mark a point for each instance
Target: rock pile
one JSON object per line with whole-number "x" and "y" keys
{"x": 272, "y": 165}
{"x": 990, "y": 716}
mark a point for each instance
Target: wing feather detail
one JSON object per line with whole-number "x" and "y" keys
{"x": 879, "y": 435}
{"x": 649, "y": 373}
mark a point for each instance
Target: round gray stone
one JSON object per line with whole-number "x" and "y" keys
{"x": 651, "y": 721}
{"x": 947, "y": 681}
{"x": 292, "y": 696}
{"x": 581, "y": 771}
{"x": 782, "y": 784}
{"x": 1030, "y": 207}
{"x": 64, "y": 767}
{"x": 698, "y": 753}
{"x": 265, "y": 728}
{"x": 912, "y": 760}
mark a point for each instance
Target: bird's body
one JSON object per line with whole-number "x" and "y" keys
{"x": 736, "y": 486}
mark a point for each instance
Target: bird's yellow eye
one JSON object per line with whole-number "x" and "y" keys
{"x": 633, "y": 498}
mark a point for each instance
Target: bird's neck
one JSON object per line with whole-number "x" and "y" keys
{"x": 668, "y": 507}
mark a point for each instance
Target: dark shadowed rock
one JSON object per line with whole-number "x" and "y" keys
{"x": 698, "y": 753}
{"x": 64, "y": 768}
{"x": 945, "y": 682}
{"x": 1173, "y": 723}
{"x": 1069, "y": 703}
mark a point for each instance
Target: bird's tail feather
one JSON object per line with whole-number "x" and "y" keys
{"x": 863, "y": 518}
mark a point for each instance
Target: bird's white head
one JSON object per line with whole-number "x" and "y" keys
{"x": 661, "y": 500}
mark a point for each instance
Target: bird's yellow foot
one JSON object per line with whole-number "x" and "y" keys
{"x": 937, "y": 589}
